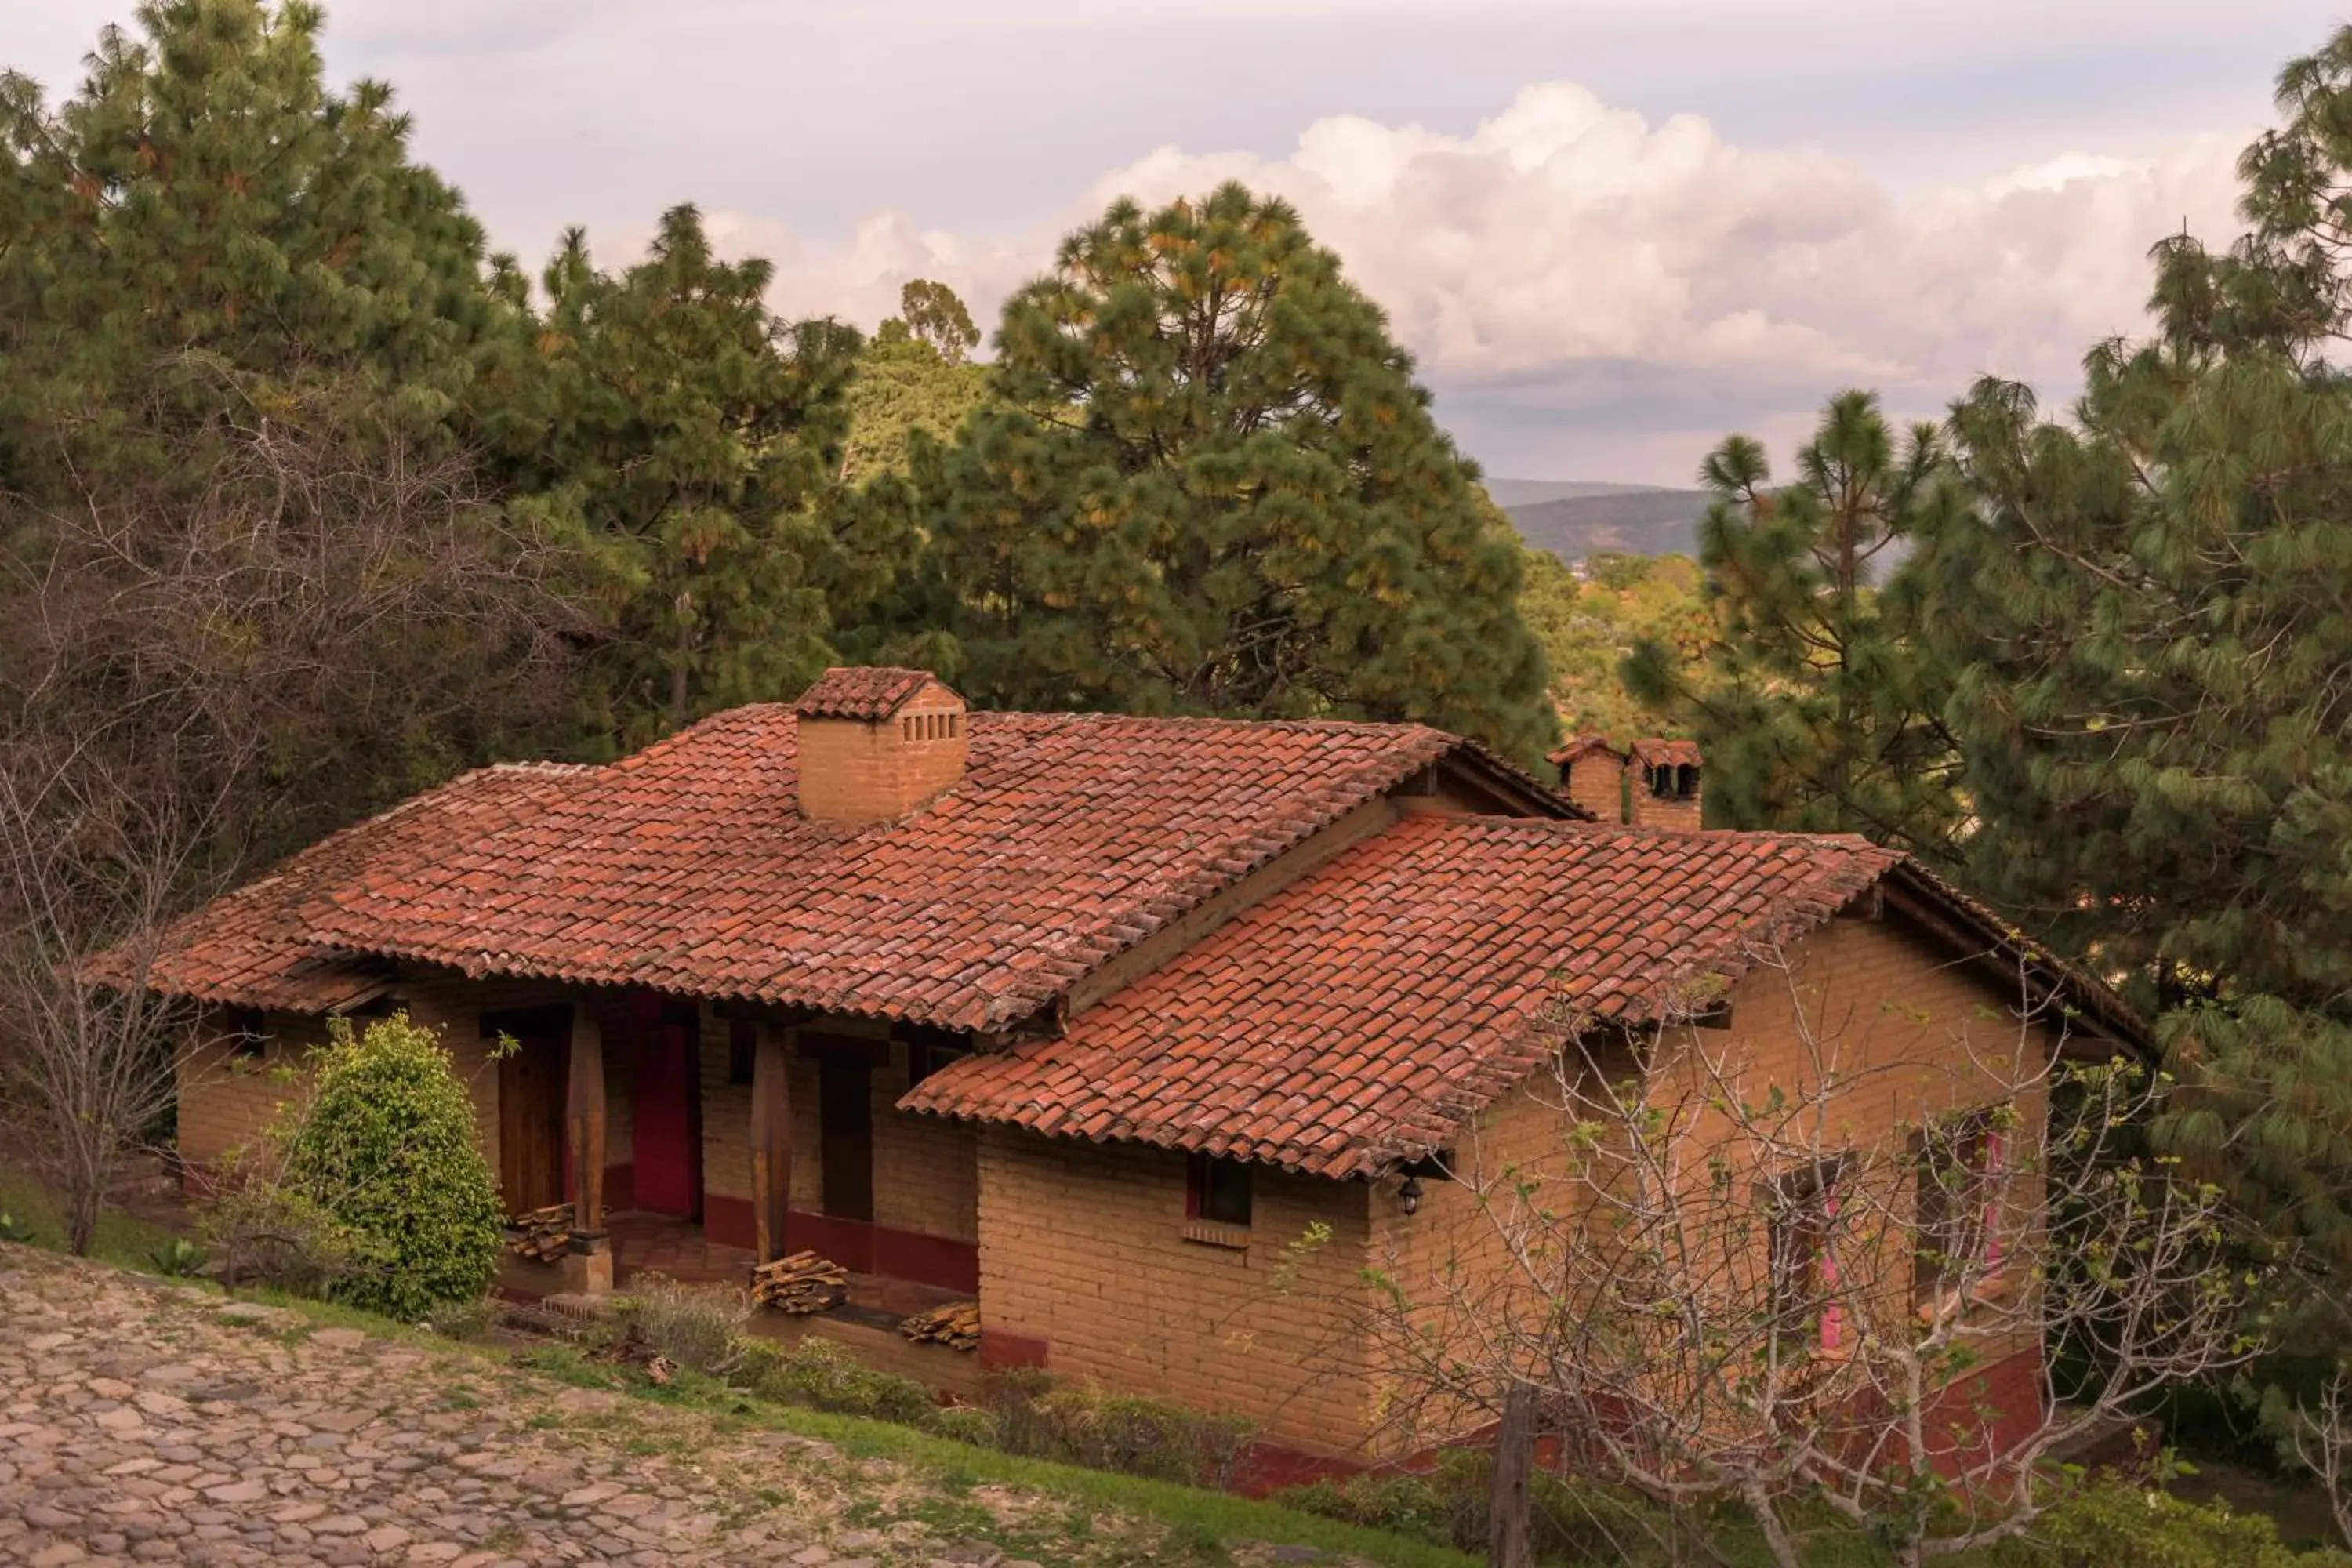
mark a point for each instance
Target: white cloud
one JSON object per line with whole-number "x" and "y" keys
{"x": 1565, "y": 230}
{"x": 1567, "y": 249}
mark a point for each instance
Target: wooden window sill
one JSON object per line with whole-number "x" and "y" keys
{"x": 1208, "y": 1233}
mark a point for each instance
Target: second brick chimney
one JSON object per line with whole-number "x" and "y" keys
{"x": 877, "y": 742}
{"x": 1663, "y": 780}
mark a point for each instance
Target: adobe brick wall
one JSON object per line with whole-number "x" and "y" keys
{"x": 226, "y": 1100}
{"x": 926, "y": 1169}
{"x": 1082, "y": 1247}
{"x": 1887, "y": 1011}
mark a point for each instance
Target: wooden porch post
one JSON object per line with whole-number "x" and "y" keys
{"x": 771, "y": 1143}
{"x": 585, "y": 1124}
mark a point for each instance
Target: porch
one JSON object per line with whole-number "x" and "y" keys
{"x": 695, "y": 1140}
{"x": 865, "y": 1324}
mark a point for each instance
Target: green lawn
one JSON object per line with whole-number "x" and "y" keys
{"x": 124, "y": 1239}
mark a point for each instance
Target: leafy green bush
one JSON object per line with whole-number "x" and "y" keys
{"x": 2114, "y": 1525}
{"x": 386, "y": 1144}
{"x": 178, "y": 1258}
{"x": 15, "y": 1229}
{"x": 696, "y": 1326}
{"x": 1133, "y": 1436}
{"x": 817, "y": 1372}
{"x": 962, "y": 1423}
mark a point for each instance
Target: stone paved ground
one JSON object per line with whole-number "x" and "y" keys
{"x": 143, "y": 1421}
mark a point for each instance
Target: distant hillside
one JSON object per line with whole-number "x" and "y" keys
{"x": 1574, "y": 518}
{"x": 1510, "y": 494}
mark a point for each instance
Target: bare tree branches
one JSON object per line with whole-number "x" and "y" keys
{"x": 303, "y": 616}
{"x": 1823, "y": 1284}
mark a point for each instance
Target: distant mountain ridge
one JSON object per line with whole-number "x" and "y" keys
{"x": 1576, "y": 518}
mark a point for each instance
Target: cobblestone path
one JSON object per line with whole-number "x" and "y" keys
{"x": 143, "y": 1421}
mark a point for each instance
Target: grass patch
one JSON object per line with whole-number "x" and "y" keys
{"x": 124, "y": 1240}
{"x": 1193, "y": 1517}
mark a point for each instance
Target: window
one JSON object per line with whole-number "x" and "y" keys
{"x": 742, "y": 1043}
{"x": 1217, "y": 1192}
{"x": 247, "y": 1038}
{"x": 1959, "y": 1242}
{"x": 1802, "y": 1231}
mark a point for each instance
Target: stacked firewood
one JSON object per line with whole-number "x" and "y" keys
{"x": 542, "y": 1235}
{"x": 955, "y": 1325}
{"x": 804, "y": 1282}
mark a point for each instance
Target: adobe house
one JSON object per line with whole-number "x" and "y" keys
{"x": 1086, "y": 1017}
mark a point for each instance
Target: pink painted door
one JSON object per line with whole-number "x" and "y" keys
{"x": 665, "y": 1108}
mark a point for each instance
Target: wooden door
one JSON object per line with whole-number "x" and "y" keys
{"x": 666, "y": 1109}
{"x": 532, "y": 1086}
{"x": 846, "y": 1113}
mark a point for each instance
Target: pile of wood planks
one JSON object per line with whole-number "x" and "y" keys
{"x": 955, "y": 1325}
{"x": 804, "y": 1282}
{"x": 543, "y": 1234}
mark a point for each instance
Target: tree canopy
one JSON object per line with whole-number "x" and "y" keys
{"x": 684, "y": 440}
{"x": 1212, "y": 486}
{"x": 2148, "y": 618}
{"x": 1816, "y": 707}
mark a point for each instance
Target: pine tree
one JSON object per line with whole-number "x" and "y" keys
{"x": 2150, "y": 616}
{"x": 246, "y": 344}
{"x": 203, "y": 202}
{"x": 914, "y": 375}
{"x": 1213, "y": 487}
{"x": 1816, "y": 707}
{"x": 687, "y": 439}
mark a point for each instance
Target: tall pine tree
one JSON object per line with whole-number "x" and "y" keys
{"x": 244, "y": 343}
{"x": 1817, "y": 708}
{"x": 1213, "y": 487}
{"x": 2150, "y": 616}
{"x": 686, "y": 442}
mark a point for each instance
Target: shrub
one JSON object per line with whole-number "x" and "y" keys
{"x": 2114, "y": 1525}
{"x": 696, "y": 1326}
{"x": 260, "y": 1231}
{"x": 1575, "y": 1521}
{"x": 962, "y": 1423}
{"x": 1121, "y": 1432}
{"x": 386, "y": 1144}
{"x": 815, "y": 1371}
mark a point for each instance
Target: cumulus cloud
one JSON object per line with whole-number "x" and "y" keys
{"x": 1565, "y": 230}
{"x": 1568, "y": 260}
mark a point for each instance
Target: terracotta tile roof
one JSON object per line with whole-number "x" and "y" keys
{"x": 687, "y": 867}
{"x": 1674, "y": 753}
{"x": 860, "y": 691}
{"x": 252, "y": 947}
{"x": 1583, "y": 746}
{"x": 1351, "y": 1020}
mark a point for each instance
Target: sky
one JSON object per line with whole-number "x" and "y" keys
{"x": 1610, "y": 231}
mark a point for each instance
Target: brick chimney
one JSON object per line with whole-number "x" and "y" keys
{"x": 1662, "y": 777}
{"x": 1593, "y": 775}
{"x": 877, "y": 743}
